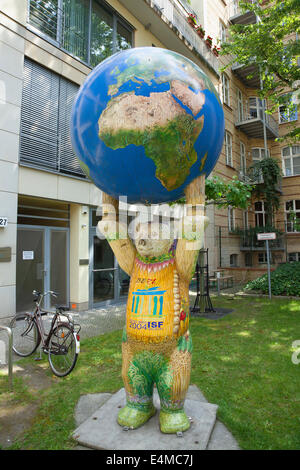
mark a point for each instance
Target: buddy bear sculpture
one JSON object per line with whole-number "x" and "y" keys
{"x": 156, "y": 343}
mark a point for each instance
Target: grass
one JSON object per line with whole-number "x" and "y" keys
{"x": 242, "y": 362}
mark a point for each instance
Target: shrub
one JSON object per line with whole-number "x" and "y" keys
{"x": 285, "y": 280}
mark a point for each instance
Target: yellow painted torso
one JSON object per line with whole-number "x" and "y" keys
{"x": 157, "y": 307}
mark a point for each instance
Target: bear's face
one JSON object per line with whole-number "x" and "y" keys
{"x": 152, "y": 239}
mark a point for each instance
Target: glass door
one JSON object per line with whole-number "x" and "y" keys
{"x": 31, "y": 270}
{"x": 42, "y": 265}
{"x": 59, "y": 263}
{"x": 104, "y": 271}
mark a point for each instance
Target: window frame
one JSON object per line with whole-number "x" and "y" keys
{"x": 291, "y": 158}
{"x": 260, "y": 212}
{"x": 231, "y": 219}
{"x": 226, "y": 89}
{"x": 295, "y": 211}
{"x": 243, "y": 158}
{"x": 228, "y": 146}
{"x": 58, "y": 42}
{"x": 289, "y": 119}
{"x": 222, "y": 32}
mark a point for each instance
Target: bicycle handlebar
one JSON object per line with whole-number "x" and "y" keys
{"x": 39, "y": 294}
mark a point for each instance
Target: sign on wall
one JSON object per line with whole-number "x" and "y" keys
{"x": 3, "y": 221}
{"x": 28, "y": 255}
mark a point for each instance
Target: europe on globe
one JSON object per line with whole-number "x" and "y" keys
{"x": 145, "y": 123}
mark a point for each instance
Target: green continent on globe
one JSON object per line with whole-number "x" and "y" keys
{"x": 160, "y": 124}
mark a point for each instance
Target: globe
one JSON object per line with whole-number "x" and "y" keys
{"x": 145, "y": 123}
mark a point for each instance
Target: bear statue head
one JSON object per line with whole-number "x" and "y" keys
{"x": 152, "y": 239}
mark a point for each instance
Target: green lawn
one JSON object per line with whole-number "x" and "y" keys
{"x": 242, "y": 362}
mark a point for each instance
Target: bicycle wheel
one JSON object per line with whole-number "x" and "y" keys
{"x": 62, "y": 353}
{"x": 26, "y": 336}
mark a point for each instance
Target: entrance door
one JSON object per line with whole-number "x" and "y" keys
{"x": 30, "y": 265}
{"x": 104, "y": 271}
{"x": 42, "y": 264}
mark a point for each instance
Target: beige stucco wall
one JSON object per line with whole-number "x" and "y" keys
{"x": 11, "y": 72}
{"x": 79, "y": 249}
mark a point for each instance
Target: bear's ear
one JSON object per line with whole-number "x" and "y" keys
{"x": 137, "y": 227}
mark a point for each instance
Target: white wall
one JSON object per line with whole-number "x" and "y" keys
{"x": 11, "y": 73}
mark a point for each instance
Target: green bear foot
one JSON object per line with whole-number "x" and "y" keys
{"x": 134, "y": 418}
{"x": 173, "y": 421}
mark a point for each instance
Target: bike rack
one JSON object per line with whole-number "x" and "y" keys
{"x": 10, "y": 362}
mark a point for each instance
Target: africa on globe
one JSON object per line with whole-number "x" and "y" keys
{"x": 145, "y": 123}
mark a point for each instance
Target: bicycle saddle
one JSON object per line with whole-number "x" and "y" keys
{"x": 63, "y": 308}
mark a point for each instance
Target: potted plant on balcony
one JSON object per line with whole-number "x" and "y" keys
{"x": 192, "y": 20}
{"x": 200, "y": 31}
{"x": 216, "y": 50}
{"x": 208, "y": 41}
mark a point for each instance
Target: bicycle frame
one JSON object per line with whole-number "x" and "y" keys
{"x": 37, "y": 318}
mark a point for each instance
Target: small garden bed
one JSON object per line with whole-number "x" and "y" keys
{"x": 285, "y": 280}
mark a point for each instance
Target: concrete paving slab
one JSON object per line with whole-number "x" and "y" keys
{"x": 222, "y": 439}
{"x": 101, "y": 430}
{"x": 88, "y": 404}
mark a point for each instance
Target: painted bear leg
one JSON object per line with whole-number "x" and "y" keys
{"x": 172, "y": 417}
{"x": 139, "y": 391}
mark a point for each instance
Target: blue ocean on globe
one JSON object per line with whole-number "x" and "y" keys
{"x": 145, "y": 123}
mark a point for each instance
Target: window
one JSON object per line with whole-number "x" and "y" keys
{"x": 293, "y": 257}
{"x": 258, "y": 154}
{"x": 233, "y": 260}
{"x": 228, "y": 148}
{"x": 240, "y": 105}
{"x": 231, "y": 219}
{"x": 245, "y": 220}
{"x": 260, "y": 214}
{"x": 256, "y": 107}
{"x": 248, "y": 259}
{"x": 235, "y": 7}
{"x": 225, "y": 89}
{"x": 287, "y": 111}
{"x": 292, "y": 215}
{"x": 45, "y": 114}
{"x": 243, "y": 159}
{"x": 291, "y": 160}
{"x": 262, "y": 258}
{"x": 88, "y": 30}
{"x": 222, "y": 32}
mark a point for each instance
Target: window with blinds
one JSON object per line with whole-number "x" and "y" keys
{"x": 45, "y": 121}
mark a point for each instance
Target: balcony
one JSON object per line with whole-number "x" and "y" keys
{"x": 249, "y": 241}
{"x": 239, "y": 17}
{"x": 248, "y": 74}
{"x": 252, "y": 125}
{"x": 167, "y": 20}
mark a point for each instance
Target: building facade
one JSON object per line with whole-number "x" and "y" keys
{"x": 48, "y": 239}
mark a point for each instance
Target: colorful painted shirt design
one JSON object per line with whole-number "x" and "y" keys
{"x": 151, "y": 301}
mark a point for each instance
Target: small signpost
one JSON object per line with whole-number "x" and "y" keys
{"x": 266, "y": 237}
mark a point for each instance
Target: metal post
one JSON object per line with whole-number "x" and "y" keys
{"x": 10, "y": 362}
{"x": 269, "y": 273}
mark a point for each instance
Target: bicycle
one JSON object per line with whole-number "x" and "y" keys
{"x": 61, "y": 343}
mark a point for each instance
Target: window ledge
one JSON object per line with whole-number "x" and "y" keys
{"x": 227, "y": 106}
{"x": 291, "y": 176}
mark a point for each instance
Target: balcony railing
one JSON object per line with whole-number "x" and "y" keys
{"x": 237, "y": 16}
{"x": 252, "y": 125}
{"x": 177, "y": 12}
{"x": 249, "y": 241}
{"x": 174, "y": 14}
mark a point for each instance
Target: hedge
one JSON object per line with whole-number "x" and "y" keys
{"x": 285, "y": 280}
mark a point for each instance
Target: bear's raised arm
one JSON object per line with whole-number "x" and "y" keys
{"x": 193, "y": 225}
{"x": 116, "y": 233}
